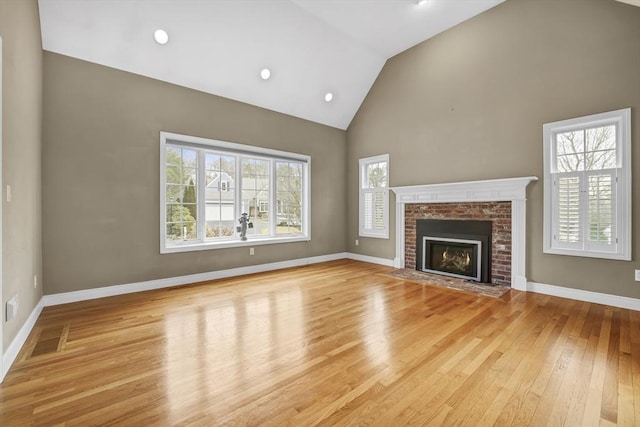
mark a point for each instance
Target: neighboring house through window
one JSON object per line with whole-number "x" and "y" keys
{"x": 206, "y": 185}
{"x": 374, "y": 196}
{"x": 587, "y": 186}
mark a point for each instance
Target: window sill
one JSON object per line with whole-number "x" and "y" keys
{"x": 190, "y": 247}
{"x": 586, "y": 254}
{"x": 375, "y": 236}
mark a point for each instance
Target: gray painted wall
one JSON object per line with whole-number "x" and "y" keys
{"x": 21, "y": 138}
{"x": 101, "y": 197}
{"x": 470, "y": 103}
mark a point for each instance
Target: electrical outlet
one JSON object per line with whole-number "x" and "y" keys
{"x": 357, "y": 242}
{"x": 35, "y": 281}
{"x": 11, "y": 308}
{"x": 252, "y": 251}
{"x": 637, "y": 275}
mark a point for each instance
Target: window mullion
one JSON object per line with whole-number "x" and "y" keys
{"x": 238, "y": 191}
{"x": 272, "y": 198}
{"x": 555, "y": 208}
{"x": 617, "y": 214}
{"x": 200, "y": 200}
{"x": 584, "y": 196}
{"x": 615, "y": 219}
{"x": 584, "y": 210}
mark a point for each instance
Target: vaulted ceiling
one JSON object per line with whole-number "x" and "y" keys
{"x": 311, "y": 47}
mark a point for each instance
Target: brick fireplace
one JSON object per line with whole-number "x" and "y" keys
{"x": 499, "y": 213}
{"x": 501, "y": 201}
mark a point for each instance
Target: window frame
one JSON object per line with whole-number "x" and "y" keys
{"x": 621, "y": 193}
{"x": 362, "y": 165}
{"x": 235, "y": 149}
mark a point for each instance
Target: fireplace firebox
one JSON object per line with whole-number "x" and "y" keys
{"x": 458, "y": 248}
{"x": 452, "y": 257}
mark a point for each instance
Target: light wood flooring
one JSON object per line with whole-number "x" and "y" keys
{"x": 337, "y": 343}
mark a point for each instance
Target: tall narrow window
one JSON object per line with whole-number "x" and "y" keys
{"x": 588, "y": 186}
{"x": 289, "y": 197}
{"x": 207, "y": 185}
{"x": 181, "y": 199}
{"x": 374, "y": 196}
{"x": 256, "y": 191}
{"x": 219, "y": 197}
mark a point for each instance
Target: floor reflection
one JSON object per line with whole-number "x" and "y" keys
{"x": 245, "y": 340}
{"x": 375, "y": 327}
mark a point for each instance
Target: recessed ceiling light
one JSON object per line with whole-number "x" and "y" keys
{"x": 265, "y": 74}
{"x": 161, "y": 36}
{"x": 328, "y": 97}
{"x": 421, "y": 2}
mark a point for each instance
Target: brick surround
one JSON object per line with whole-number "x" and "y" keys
{"x": 499, "y": 213}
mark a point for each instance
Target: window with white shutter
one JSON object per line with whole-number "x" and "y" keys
{"x": 374, "y": 196}
{"x": 588, "y": 186}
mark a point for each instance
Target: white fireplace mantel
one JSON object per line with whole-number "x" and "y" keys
{"x": 513, "y": 190}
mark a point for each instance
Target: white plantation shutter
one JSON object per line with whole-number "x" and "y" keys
{"x": 567, "y": 213}
{"x": 367, "y": 215}
{"x": 601, "y": 231}
{"x": 373, "y": 210}
{"x": 374, "y": 197}
{"x": 378, "y": 210}
{"x": 588, "y": 186}
{"x": 584, "y": 211}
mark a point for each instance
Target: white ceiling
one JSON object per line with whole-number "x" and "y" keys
{"x": 219, "y": 46}
{"x": 631, "y": 2}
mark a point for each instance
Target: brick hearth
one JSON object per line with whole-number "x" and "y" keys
{"x": 499, "y": 213}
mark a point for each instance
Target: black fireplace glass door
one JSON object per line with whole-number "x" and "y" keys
{"x": 458, "y": 258}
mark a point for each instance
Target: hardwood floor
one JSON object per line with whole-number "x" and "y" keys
{"x": 337, "y": 343}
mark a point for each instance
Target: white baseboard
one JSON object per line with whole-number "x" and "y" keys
{"x": 108, "y": 291}
{"x": 371, "y": 259}
{"x": 519, "y": 283}
{"x": 14, "y": 348}
{"x": 587, "y": 296}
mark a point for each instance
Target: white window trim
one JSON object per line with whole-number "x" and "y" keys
{"x": 201, "y": 244}
{"x": 362, "y": 232}
{"x": 622, "y": 118}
